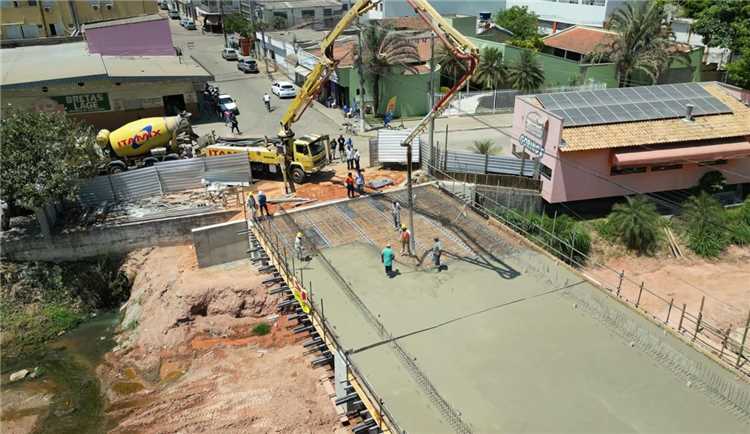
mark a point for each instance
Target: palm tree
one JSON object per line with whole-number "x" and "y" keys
{"x": 706, "y": 225}
{"x": 642, "y": 44}
{"x": 449, "y": 65}
{"x": 526, "y": 74}
{"x": 484, "y": 147}
{"x": 490, "y": 72}
{"x": 637, "y": 223}
{"x": 386, "y": 51}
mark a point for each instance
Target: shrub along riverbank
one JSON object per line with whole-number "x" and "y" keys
{"x": 40, "y": 300}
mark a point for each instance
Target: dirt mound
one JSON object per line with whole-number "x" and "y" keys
{"x": 189, "y": 360}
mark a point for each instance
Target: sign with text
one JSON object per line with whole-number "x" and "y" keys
{"x": 531, "y": 146}
{"x": 536, "y": 125}
{"x": 84, "y": 102}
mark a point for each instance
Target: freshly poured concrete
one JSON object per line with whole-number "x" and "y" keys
{"x": 518, "y": 354}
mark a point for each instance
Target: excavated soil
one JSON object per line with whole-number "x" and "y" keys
{"x": 188, "y": 361}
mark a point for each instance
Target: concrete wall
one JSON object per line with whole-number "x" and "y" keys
{"x": 148, "y": 38}
{"x": 109, "y": 240}
{"x": 220, "y": 243}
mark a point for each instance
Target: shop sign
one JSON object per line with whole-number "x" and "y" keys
{"x": 84, "y": 102}
{"x": 536, "y": 125}
{"x": 531, "y": 146}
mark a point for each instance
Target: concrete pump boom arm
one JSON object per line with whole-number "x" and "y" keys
{"x": 462, "y": 49}
{"x": 323, "y": 69}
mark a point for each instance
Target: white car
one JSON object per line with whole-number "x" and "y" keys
{"x": 283, "y": 89}
{"x": 227, "y": 104}
{"x": 229, "y": 54}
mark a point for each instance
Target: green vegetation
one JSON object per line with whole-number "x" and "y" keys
{"x": 43, "y": 155}
{"x": 523, "y": 24}
{"x": 706, "y": 225}
{"x": 484, "y": 147}
{"x": 556, "y": 235}
{"x": 385, "y": 51}
{"x": 643, "y": 43}
{"x": 236, "y": 23}
{"x": 39, "y": 300}
{"x": 490, "y": 73}
{"x": 636, "y": 223}
{"x": 261, "y": 329}
{"x": 526, "y": 74}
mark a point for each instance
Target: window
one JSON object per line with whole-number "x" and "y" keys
{"x": 663, "y": 167}
{"x": 32, "y": 2}
{"x": 308, "y": 14}
{"x": 545, "y": 171}
{"x": 327, "y": 12}
{"x": 300, "y": 149}
{"x": 627, "y": 170}
{"x": 594, "y": 2}
{"x": 15, "y": 4}
{"x": 712, "y": 163}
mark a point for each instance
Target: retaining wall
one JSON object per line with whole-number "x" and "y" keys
{"x": 220, "y": 243}
{"x": 110, "y": 240}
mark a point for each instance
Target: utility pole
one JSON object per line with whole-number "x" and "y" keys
{"x": 360, "y": 48}
{"x": 431, "y": 127}
{"x": 223, "y": 27}
{"x": 412, "y": 239}
{"x": 255, "y": 27}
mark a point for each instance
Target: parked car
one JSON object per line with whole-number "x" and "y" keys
{"x": 187, "y": 23}
{"x": 247, "y": 65}
{"x": 229, "y": 54}
{"x": 174, "y": 14}
{"x": 283, "y": 89}
{"x": 163, "y": 5}
{"x": 227, "y": 104}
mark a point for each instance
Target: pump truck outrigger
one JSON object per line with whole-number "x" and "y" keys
{"x": 459, "y": 45}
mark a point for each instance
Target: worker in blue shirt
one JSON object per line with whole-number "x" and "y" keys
{"x": 387, "y": 258}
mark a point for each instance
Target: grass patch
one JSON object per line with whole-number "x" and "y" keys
{"x": 261, "y": 329}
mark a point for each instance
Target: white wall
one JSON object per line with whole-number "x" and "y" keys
{"x": 570, "y": 13}
{"x": 398, "y": 8}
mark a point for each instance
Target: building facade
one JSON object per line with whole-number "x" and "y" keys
{"x": 582, "y": 160}
{"x": 317, "y": 14}
{"x": 398, "y": 8}
{"x": 555, "y": 15}
{"x": 48, "y": 18}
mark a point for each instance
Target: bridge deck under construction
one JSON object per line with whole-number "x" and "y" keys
{"x": 503, "y": 340}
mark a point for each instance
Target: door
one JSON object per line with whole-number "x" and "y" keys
{"x": 52, "y": 30}
{"x": 174, "y": 104}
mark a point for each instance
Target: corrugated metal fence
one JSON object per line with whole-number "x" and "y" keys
{"x": 165, "y": 177}
{"x": 467, "y": 162}
{"x": 388, "y": 147}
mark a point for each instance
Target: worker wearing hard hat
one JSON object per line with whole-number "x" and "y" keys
{"x": 298, "y": 249}
{"x": 405, "y": 241}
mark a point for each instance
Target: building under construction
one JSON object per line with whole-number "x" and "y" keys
{"x": 505, "y": 338}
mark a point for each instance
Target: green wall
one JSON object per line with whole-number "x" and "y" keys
{"x": 411, "y": 90}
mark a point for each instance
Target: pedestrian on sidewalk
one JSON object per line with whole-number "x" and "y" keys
{"x": 342, "y": 153}
{"x": 386, "y": 257}
{"x": 396, "y": 213}
{"x": 252, "y": 205}
{"x": 235, "y": 125}
{"x": 332, "y": 144}
{"x": 263, "y": 203}
{"x": 359, "y": 182}
{"x": 350, "y": 158}
{"x": 227, "y": 118}
{"x": 437, "y": 250}
{"x": 405, "y": 241}
{"x": 298, "y": 249}
{"x": 356, "y": 159}
{"x": 349, "y": 185}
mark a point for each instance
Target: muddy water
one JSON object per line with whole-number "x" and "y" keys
{"x": 68, "y": 381}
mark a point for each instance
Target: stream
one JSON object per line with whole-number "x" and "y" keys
{"x": 68, "y": 381}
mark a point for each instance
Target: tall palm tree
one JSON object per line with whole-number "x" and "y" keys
{"x": 385, "y": 51}
{"x": 450, "y": 67}
{"x": 490, "y": 72}
{"x": 526, "y": 74}
{"x": 642, "y": 44}
{"x": 637, "y": 223}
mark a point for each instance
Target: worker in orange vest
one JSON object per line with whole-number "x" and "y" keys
{"x": 405, "y": 241}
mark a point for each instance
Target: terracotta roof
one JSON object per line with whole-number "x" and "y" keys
{"x": 345, "y": 51}
{"x": 736, "y": 124}
{"x": 579, "y": 39}
{"x": 413, "y": 23}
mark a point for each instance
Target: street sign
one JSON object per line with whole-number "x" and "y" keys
{"x": 531, "y": 146}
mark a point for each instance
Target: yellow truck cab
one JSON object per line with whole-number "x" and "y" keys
{"x": 266, "y": 155}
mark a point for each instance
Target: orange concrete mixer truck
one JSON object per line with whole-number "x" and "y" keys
{"x": 144, "y": 142}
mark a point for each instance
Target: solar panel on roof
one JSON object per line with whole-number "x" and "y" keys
{"x": 631, "y": 104}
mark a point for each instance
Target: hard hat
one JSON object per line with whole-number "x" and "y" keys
{"x": 299, "y": 234}
{"x": 403, "y": 227}
{"x": 388, "y": 245}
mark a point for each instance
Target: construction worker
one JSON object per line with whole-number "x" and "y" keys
{"x": 437, "y": 250}
{"x": 252, "y": 206}
{"x": 405, "y": 241}
{"x": 349, "y": 181}
{"x": 298, "y": 250}
{"x": 396, "y": 213}
{"x": 387, "y": 258}
{"x": 263, "y": 203}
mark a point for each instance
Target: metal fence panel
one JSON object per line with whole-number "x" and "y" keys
{"x": 476, "y": 163}
{"x": 97, "y": 190}
{"x": 135, "y": 184}
{"x": 390, "y": 149}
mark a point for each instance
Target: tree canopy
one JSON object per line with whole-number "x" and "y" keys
{"x": 526, "y": 74}
{"x": 236, "y": 23}
{"x": 523, "y": 24}
{"x": 490, "y": 73}
{"x": 43, "y": 155}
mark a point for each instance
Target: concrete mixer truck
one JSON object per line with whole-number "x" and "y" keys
{"x": 144, "y": 142}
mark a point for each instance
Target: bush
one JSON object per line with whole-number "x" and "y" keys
{"x": 637, "y": 224}
{"x": 706, "y": 222}
{"x": 261, "y": 329}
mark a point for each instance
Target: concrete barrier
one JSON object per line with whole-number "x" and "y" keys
{"x": 110, "y": 240}
{"x": 220, "y": 243}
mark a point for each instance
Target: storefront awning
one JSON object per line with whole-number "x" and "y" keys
{"x": 723, "y": 151}
{"x": 212, "y": 20}
{"x": 301, "y": 70}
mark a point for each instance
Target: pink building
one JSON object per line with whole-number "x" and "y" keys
{"x": 148, "y": 35}
{"x": 619, "y": 142}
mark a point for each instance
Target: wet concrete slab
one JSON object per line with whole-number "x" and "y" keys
{"x": 518, "y": 344}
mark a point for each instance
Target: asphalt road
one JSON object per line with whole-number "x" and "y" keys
{"x": 246, "y": 89}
